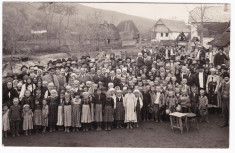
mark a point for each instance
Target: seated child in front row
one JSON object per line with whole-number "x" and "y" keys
{"x": 203, "y": 103}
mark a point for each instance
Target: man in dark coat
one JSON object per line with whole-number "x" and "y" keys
{"x": 200, "y": 78}
{"x": 98, "y": 77}
{"x": 112, "y": 78}
{"x": 220, "y": 58}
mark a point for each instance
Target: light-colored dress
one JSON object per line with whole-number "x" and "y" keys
{"x": 60, "y": 117}
{"x": 129, "y": 104}
{"x": 67, "y": 114}
{"x": 92, "y": 113}
{"x": 5, "y": 121}
{"x": 38, "y": 116}
{"x": 76, "y": 113}
{"x": 28, "y": 120}
{"x": 45, "y": 112}
{"x": 86, "y": 112}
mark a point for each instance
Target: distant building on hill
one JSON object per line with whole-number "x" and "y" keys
{"x": 38, "y": 30}
{"x": 166, "y": 29}
{"x": 129, "y": 34}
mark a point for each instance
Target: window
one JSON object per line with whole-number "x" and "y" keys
{"x": 161, "y": 34}
{"x": 166, "y": 34}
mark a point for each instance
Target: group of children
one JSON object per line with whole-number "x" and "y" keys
{"x": 109, "y": 99}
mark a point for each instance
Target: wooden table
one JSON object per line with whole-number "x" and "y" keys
{"x": 179, "y": 118}
{"x": 191, "y": 118}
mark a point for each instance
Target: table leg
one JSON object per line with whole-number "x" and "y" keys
{"x": 186, "y": 123}
{"x": 171, "y": 119}
{"x": 181, "y": 124}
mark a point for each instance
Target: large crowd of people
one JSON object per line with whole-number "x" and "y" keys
{"x": 82, "y": 94}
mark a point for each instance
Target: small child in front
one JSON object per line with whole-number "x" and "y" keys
{"x": 203, "y": 106}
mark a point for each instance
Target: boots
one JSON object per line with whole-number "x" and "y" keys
{"x": 26, "y": 133}
{"x": 109, "y": 126}
{"x": 128, "y": 125}
{"x": 106, "y": 126}
{"x": 5, "y": 134}
{"x": 51, "y": 129}
{"x": 29, "y": 132}
{"x": 131, "y": 126}
{"x": 87, "y": 127}
{"x": 44, "y": 129}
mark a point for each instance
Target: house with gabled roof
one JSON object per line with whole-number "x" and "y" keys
{"x": 166, "y": 29}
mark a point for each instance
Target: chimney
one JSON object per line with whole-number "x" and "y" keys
{"x": 225, "y": 7}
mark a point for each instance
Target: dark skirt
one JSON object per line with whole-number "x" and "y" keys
{"x": 108, "y": 114}
{"x": 119, "y": 112}
{"x": 138, "y": 112}
{"x": 212, "y": 97}
{"x": 52, "y": 116}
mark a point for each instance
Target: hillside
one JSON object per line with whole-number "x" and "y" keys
{"x": 31, "y": 9}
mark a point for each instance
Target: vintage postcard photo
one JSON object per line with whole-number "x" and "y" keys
{"x": 138, "y": 75}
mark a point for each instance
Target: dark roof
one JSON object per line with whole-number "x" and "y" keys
{"x": 221, "y": 40}
{"x": 174, "y": 25}
{"x": 213, "y": 29}
{"x": 108, "y": 31}
{"x": 182, "y": 37}
{"x": 126, "y": 28}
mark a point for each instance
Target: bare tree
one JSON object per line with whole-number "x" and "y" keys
{"x": 16, "y": 27}
{"x": 198, "y": 16}
{"x": 48, "y": 8}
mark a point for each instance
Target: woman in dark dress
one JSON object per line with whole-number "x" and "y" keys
{"x": 8, "y": 94}
{"x": 53, "y": 110}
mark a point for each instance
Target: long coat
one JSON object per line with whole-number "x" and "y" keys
{"x": 196, "y": 80}
{"x": 8, "y": 95}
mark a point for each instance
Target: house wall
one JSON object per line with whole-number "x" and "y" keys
{"x": 194, "y": 32}
{"x": 163, "y": 36}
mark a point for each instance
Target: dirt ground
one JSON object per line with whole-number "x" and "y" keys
{"x": 149, "y": 134}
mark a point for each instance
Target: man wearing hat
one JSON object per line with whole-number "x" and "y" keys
{"x": 201, "y": 78}
{"x": 62, "y": 78}
{"x": 220, "y": 57}
{"x": 51, "y": 77}
{"x": 112, "y": 78}
{"x": 98, "y": 77}
{"x": 225, "y": 92}
{"x": 83, "y": 76}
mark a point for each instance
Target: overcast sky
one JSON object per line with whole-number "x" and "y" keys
{"x": 148, "y": 10}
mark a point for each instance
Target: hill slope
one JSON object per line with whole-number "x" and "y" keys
{"x": 31, "y": 9}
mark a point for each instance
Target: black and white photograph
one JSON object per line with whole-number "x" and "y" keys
{"x": 116, "y": 74}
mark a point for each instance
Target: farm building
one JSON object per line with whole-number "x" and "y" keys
{"x": 38, "y": 30}
{"x": 106, "y": 34}
{"x": 222, "y": 40}
{"x": 215, "y": 20}
{"x": 129, "y": 34}
{"x": 165, "y": 29}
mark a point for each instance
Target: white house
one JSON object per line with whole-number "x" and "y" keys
{"x": 165, "y": 29}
